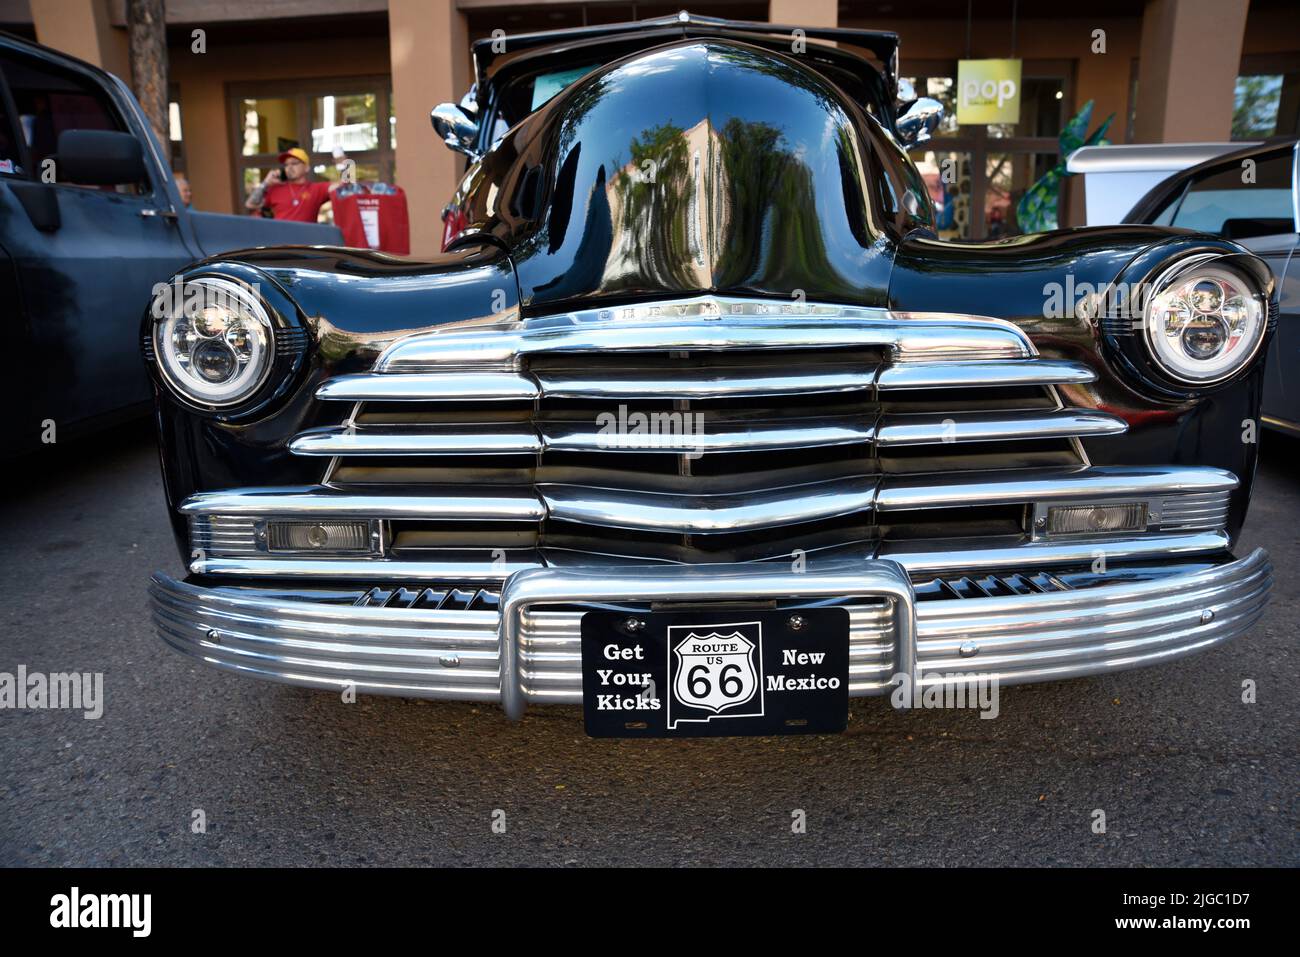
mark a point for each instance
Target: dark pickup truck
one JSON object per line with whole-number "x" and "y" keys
{"x": 90, "y": 221}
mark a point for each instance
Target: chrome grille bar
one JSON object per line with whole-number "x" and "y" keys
{"x": 922, "y": 557}
{"x": 696, "y": 383}
{"x": 441, "y": 439}
{"x": 454, "y": 386}
{"x": 1207, "y": 510}
{"x": 965, "y": 375}
{"x": 1035, "y": 485}
{"x": 445, "y": 386}
{"x": 707, "y": 514}
{"x": 726, "y": 513}
{"x": 693, "y": 384}
{"x": 719, "y": 437}
{"x": 498, "y": 506}
{"x": 459, "y": 569}
{"x": 708, "y": 323}
{"x": 935, "y": 556}
{"x": 940, "y": 427}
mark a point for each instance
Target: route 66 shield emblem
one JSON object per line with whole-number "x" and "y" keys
{"x": 715, "y": 668}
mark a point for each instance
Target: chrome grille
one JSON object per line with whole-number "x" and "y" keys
{"x": 815, "y": 431}
{"x": 1197, "y": 511}
{"x": 686, "y": 431}
{"x": 223, "y": 536}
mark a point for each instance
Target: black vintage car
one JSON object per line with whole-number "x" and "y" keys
{"x": 697, "y": 423}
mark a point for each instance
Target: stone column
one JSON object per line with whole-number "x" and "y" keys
{"x": 1187, "y": 69}
{"x": 429, "y": 55}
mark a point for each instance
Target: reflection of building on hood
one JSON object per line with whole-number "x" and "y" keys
{"x": 639, "y": 190}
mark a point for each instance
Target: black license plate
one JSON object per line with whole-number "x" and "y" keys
{"x": 715, "y": 672}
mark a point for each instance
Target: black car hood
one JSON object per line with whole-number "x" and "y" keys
{"x": 698, "y": 166}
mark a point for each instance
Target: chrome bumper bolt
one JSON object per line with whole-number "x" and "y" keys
{"x": 968, "y": 649}
{"x": 1207, "y": 616}
{"x": 633, "y": 625}
{"x": 797, "y": 622}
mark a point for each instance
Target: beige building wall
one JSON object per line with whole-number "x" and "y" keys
{"x": 804, "y": 13}
{"x": 83, "y": 28}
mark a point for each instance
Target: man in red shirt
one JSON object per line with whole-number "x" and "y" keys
{"x": 295, "y": 197}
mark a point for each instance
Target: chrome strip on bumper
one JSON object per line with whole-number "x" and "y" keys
{"x": 462, "y": 654}
{"x": 916, "y": 557}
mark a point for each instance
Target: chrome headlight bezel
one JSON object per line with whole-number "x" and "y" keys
{"x": 1243, "y": 328}
{"x": 180, "y": 313}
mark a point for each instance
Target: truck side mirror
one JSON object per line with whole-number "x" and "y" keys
{"x": 99, "y": 158}
{"x": 918, "y": 120}
{"x": 457, "y": 128}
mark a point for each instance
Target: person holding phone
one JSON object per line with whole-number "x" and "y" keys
{"x": 290, "y": 192}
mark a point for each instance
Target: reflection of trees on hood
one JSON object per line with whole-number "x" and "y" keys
{"x": 770, "y": 201}
{"x": 657, "y": 193}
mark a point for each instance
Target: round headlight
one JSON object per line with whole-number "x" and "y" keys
{"x": 215, "y": 343}
{"x": 1204, "y": 323}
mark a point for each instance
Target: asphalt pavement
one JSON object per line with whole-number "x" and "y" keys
{"x": 1185, "y": 772}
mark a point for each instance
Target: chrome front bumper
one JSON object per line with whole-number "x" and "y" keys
{"x": 528, "y": 651}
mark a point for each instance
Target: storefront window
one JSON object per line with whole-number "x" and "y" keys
{"x": 349, "y": 122}
{"x": 1266, "y": 98}
{"x": 942, "y": 88}
{"x": 269, "y": 125}
{"x": 365, "y": 172}
{"x": 175, "y": 130}
{"x": 320, "y": 116}
{"x": 1257, "y": 110}
{"x": 981, "y": 173}
{"x": 1041, "y": 102}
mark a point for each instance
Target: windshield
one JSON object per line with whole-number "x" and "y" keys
{"x": 528, "y": 92}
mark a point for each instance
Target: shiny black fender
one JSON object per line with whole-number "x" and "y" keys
{"x": 1038, "y": 281}
{"x": 339, "y": 308}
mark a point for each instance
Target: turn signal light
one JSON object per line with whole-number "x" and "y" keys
{"x": 322, "y": 537}
{"x": 1091, "y": 519}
